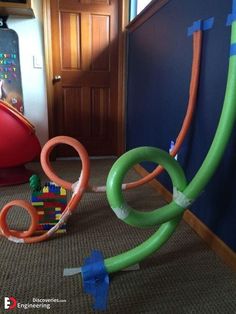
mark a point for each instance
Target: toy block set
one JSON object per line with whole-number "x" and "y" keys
{"x": 49, "y": 202}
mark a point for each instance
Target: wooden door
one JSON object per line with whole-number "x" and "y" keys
{"x": 85, "y": 73}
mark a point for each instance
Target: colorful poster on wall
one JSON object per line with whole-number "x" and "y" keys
{"x": 10, "y": 75}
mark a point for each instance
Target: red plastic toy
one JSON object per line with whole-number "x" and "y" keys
{"x": 18, "y": 145}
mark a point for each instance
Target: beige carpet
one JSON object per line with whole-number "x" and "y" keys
{"x": 184, "y": 276}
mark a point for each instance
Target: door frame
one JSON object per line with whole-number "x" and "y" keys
{"x": 123, "y": 19}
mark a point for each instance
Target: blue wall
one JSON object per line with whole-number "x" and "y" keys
{"x": 159, "y": 69}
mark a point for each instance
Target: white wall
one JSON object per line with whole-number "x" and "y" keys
{"x": 30, "y": 33}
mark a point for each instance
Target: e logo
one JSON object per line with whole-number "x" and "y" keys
{"x": 9, "y": 303}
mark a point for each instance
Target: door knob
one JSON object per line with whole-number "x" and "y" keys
{"x": 57, "y": 78}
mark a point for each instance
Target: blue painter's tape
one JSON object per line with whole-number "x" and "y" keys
{"x": 197, "y": 25}
{"x": 233, "y": 50}
{"x": 208, "y": 24}
{"x": 234, "y": 6}
{"x": 96, "y": 279}
{"x": 232, "y": 17}
{"x": 201, "y": 25}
